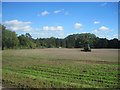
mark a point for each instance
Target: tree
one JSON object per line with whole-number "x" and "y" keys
{"x": 9, "y": 39}
{"x": 58, "y": 43}
{"x": 113, "y": 43}
{"x": 80, "y": 40}
{"x": 26, "y": 41}
{"x": 102, "y": 43}
{"x": 28, "y": 35}
{"x": 63, "y": 43}
{"x": 70, "y": 41}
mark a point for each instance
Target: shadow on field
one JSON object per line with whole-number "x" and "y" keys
{"x": 85, "y": 50}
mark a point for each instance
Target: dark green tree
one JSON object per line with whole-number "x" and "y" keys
{"x": 26, "y": 42}
{"x": 9, "y": 39}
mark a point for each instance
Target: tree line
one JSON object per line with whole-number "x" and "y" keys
{"x": 10, "y": 40}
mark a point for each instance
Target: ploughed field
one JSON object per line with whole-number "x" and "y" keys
{"x": 60, "y": 68}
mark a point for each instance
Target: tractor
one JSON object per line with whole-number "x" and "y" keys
{"x": 87, "y": 48}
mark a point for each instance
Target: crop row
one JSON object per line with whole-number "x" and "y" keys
{"x": 68, "y": 76}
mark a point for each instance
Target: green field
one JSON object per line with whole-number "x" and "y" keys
{"x": 60, "y": 68}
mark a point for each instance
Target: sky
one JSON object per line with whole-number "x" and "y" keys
{"x": 60, "y": 0}
{"x": 60, "y": 19}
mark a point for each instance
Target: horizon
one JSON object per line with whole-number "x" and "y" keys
{"x": 60, "y": 19}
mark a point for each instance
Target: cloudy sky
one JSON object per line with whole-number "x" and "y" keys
{"x": 46, "y": 19}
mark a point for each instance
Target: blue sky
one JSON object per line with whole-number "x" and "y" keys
{"x": 46, "y": 19}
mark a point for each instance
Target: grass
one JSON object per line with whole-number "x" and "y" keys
{"x": 60, "y": 68}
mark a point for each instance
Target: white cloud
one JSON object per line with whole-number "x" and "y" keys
{"x": 45, "y": 28}
{"x": 95, "y": 31}
{"x": 103, "y": 4}
{"x": 105, "y": 36}
{"x": 16, "y": 25}
{"x": 61, "y": 33}
{"x": 115, "y": 35}
{"x": 84, "y": 32}
{"x": 108, "y": 37}
{"x": 103, "y": 28}
{"x": 52, "y": 28}
{"x": 58, "y": 11}
{"x": 101, "y": 36}
{"x": 58, "y": 28}
{"x": 96, "y": 22}
{"x": 45, "y": 13}
{"x": 107, "y": 31}
{"x": 70, "y": 34}
{"x": 47, "y": 34}
{"x": 77, "y": 25}
{"x": 37, "y": 35}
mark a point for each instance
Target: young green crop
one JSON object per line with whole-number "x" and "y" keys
{"x": 41, "y": 69}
